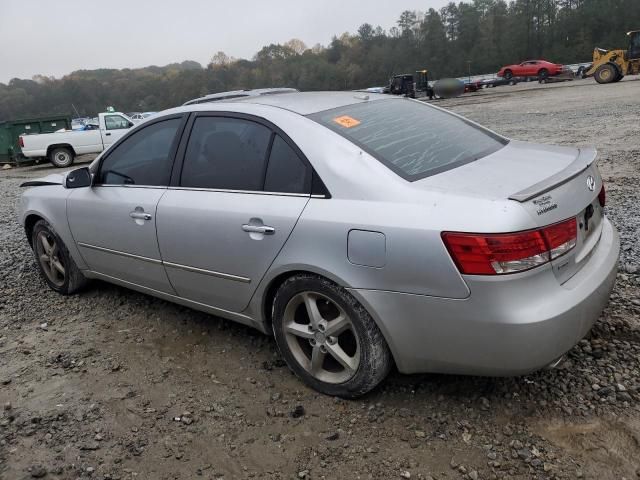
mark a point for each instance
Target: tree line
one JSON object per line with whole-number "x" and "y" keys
{"x": 468, "y": 37}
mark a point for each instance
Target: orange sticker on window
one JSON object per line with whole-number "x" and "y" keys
{"x": 346, "y": 121}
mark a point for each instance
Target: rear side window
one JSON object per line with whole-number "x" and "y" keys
{"x": 286, "y": 172}
{"x": 411, "y": 138}
{"x": 143, "y": 158}
{"x": 226, "y": 153}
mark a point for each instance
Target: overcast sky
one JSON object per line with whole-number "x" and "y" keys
{"x": 55, "y": 37}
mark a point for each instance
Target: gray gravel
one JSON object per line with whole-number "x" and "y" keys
{"x": 112, "y": 384}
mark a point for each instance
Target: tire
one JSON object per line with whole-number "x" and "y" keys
{"x": 61, "y": 157}
{"x": 543, "y": 73}
{"x": 618, "y": 78}
{"x": 508, "y": 74}
{"x": 63, "y": 276}
{"x": 606, "y": 73}
{"x": 361, "y": 343}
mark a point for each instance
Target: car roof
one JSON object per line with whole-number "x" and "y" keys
{"x": 214, "y": 97}
{"x": 303, "y": 103}
{"x": 306, "y": 103}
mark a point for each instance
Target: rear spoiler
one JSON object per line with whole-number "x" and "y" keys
{"x": 584, "y": 159}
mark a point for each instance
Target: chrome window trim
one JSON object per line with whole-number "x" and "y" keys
{"x": 128, "y": 185}
{"x": 214, "y": 190}
{"x": 244, "y": 192}
{"x": 202, "y": 271}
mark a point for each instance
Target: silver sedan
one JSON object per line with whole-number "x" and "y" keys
{"x": 363, "y": 231}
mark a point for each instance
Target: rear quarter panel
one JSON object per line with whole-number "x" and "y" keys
{"x": 416, "y": 260}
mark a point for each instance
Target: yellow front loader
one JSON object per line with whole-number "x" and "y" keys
{"x": 612, "y": 65}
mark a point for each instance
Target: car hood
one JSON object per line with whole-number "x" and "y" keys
{"x": 53, "y": 179}
{"x": 518, "y": 167}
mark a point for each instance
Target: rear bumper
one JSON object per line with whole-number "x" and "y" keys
{"x": 504, "y": 327}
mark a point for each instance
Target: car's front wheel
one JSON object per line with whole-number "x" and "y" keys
{"x": 56, "y": 265}
{"x": 328, "y": 338}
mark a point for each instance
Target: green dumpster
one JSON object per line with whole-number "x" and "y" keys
{"x": 10, "y": 130}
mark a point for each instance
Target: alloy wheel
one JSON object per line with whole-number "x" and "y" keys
{"x": 321, "y": 337}
{"x": 48, "y": 253}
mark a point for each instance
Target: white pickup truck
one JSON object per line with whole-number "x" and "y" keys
{"x": 61, "y": 148}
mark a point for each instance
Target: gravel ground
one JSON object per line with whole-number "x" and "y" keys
{"x": 112, "y": 384}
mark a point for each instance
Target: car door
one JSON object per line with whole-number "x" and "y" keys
{"x": 115, "y": 127}
{"x": 114, "y": 221}
{"x": 219, "y": 229}
{"x": 531, "y": 69}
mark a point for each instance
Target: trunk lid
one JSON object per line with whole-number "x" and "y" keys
{"x": 551, "y": 183}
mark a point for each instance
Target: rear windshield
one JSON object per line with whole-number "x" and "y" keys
{"x": 411, "y": 138}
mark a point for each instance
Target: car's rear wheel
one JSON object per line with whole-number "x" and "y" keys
{"x": 328, "y": 338}
{"x": 56, "y": 265}
{"x": 61, "y": 157}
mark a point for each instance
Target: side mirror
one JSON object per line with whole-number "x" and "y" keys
{"x": 78, "y": 178}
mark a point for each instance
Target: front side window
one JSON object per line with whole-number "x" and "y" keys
{"x": 411, "y": 138}
{"x": 143, "y": 158}
{"x": 226, "y": 153}
{"x": 116, "y": 122}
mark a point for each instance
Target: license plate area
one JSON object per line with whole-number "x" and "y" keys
{"x": 589, "y": 229}
{"x": 589, "y": 222}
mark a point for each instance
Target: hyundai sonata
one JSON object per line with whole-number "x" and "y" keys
{"x": 362, "y": 230}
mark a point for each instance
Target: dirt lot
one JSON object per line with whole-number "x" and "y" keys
{"x": 112, "y": 384}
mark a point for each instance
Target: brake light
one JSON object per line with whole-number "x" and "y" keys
{"x": 501, "y": 253}
{"x": 21, "y": 140}
{"x": 602, "y": 196}
{"x": 560, "y": 237}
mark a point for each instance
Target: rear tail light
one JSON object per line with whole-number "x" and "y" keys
{"x": 21, "y": 140}
{"x": 602, "y": 196}
{"x": 560, "y": 237}
{"x": 496, "y": 254}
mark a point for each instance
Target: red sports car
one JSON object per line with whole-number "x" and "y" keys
{"x": 531, "y": 68}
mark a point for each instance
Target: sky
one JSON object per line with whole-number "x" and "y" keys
{"x": 56, "y": 37}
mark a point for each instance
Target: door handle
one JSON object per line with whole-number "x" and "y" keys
{"x": 264, "y": 229}
{"x": 108, "y": 134}
{"x": 140, "y": 215}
